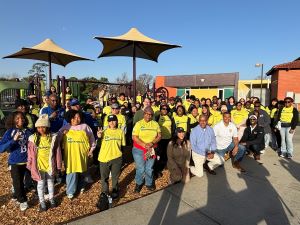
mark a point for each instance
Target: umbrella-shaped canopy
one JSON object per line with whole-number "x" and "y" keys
{"x": 49, "y": 52}
{"x": 133, "y": 44}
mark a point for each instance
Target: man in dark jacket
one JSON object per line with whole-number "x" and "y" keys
{"x": 253, "y": 137}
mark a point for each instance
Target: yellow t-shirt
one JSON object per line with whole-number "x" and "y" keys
{"x": 122, "y": 102}
{"x": 43, "y": 154}
{"x": 200, "y": 110}
{"x": 171, "y": 106}
{"x": 165, "y": 124}
{"x": 215, "y": 117}
{"x": 193, "y": 119}
{"x": 121, "y": 121}
{"x": 272, "y": 113}
{"x": 239, "y": 116}
{"x": 181, "y": 121}
{"x": 186, "y": 105}
{"x": 286, "y": 115}
{"x": 35, "y": 110}
{"x": 139, "y": 99}
{"x": 111, "y": 143}
{"x": 76, "y": 147}
{"x": 107, "y": 110}
{"x": 146, "y": 131}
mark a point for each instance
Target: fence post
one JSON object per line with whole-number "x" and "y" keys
{"x": 63, "y": 91}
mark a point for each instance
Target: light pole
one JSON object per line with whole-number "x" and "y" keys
{"x": 261, "y": 77}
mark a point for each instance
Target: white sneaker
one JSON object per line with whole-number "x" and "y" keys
{"x": 70, "y": 196}
{"x": 82, "y": 190}
{"x": 282, "y": 155}
{"x": 23, "y": 206}
{"x": 262, "y": 152}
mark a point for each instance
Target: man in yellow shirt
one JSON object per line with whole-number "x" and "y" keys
{"x": 110, "y": 156}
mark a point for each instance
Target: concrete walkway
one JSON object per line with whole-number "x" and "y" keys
{"x": 265, "y": 194}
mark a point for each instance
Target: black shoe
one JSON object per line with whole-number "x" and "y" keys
{"x": 43, "y": 207}
{"x": 138, "y": 188}
{"x": 115, "y": 194}
{"x": 151, "y": 188}
{"x": 52, "y": 203}
{"x": 206, "y": 167}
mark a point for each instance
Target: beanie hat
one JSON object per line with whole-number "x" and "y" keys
{"x": 43, "y": 121}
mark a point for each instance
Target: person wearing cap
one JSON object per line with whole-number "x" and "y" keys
{"x": 204, "y": 155}
{"x": 227, "y": 141}
{"x": 55, "y": 113}
{"x": 288, "y": 117}
{"x": 115, "y": 110}
{"x": 179, "y": 154}
{"x": 253, "y": 138}
{"x": 146, "y": 134}
{"x": 78, "y": 144}
{"x": 110, "y": 156}
{"x": 44, "y": 159}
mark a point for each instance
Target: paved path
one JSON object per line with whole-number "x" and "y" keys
{"x": 265, "y": 194}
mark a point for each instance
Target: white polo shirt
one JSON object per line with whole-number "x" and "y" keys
{"x": 224, "y": 134}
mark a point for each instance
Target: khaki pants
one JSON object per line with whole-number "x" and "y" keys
{"x": 199, "y": 160}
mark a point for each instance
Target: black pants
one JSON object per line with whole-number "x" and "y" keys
{"x": 17, "y": 175}
{"x": 162, "y": 158}
{"x": 255, "y": 149}
{"x": 113, "y": 166}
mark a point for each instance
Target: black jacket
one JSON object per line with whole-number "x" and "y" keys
{"x": 256, "y": 137}
{"x": 295, "y": 118}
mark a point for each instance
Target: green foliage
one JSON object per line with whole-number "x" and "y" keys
{"x": 87, "y": 88}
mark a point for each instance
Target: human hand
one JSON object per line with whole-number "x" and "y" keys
{"x": 65, "y": 132}
{"x": 17, "y": 135}
{"x": 291, "y": 131}
{"x": 54, "y": 114}
{"x": 148, "y": 146}
{"x": 210, "y": 155}
{"x": 90, "y": 155}
{"x": 99, "y": 132}
{"x": 234, "y": 151}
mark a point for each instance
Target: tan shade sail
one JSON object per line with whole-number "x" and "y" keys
{"x": 133, "y": 43}
{"x": 47, "y": 51}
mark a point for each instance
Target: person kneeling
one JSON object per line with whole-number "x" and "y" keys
{"x": 179, "y": 154}
{"x": 110, "y": 156}
{"x": 203, "y": 143}
{"x": 253, "y": 138}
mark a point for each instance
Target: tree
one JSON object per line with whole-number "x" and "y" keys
{"x": 38, "y": 69}
{"x": 143, "y": 81}
{"x": 123, "y": 79}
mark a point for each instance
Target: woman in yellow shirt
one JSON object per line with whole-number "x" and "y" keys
{"x": 110, "y": 156}
{"x": 182, "y": 120}
{"x": 215, "y": 116}
{"x": 239, "y": 117}
{"x": 146, "y": 134}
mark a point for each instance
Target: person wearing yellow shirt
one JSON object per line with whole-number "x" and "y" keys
{"x": 249, "y": 107}
{"x": 139, "y": 97}
{"x": 239, "y": 117}
{"x": 115, "y": 110}
{"x": 215, "y": 116}
{"x": 194, "y": 116}
{"x": 110, "y": 156}
{"x": 288, "y": 117}
{"x": 198, "y": 106}
{"x": 146, "y": 134}
{"x": 165, "y": 124}
{"x": 122, "y": 99}
{"x": 78, "y": 143}
{"x": 44, "y": 159}
{"x": 182, "y": 120}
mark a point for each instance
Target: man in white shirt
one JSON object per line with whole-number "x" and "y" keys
{"x": 227, "y": 141}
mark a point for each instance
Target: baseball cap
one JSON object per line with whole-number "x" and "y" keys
{"x": 179, "y": 130}
{"x": 74, "y": 102}
{"x": 115, "y": 106}
{"x": 112, "y": 118}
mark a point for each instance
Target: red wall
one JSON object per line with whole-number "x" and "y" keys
{"x": 288, "y": 81}
{"x": 160, "y": 82}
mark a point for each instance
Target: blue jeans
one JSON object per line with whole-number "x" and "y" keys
{"x": 286, "y": 141}
{"x": 144, "y": 168}
{"x": 74, "y": 181}
{"x": 240, "y": 154}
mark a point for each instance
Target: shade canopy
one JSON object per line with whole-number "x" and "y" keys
{"x": 49, "y": 52}
{"x": 133, "y": 44}
{"x": 145, "y": 47}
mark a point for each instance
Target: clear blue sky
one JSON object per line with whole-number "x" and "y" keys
{"x": 216, "y": 35}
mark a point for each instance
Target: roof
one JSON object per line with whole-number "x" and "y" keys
{"x": 294, "y": 65}
{"x": 202, "y": 80}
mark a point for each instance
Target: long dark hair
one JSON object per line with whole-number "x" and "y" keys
{"x": 38, "y": 137}
{"x": 175, "y": 143}
{"x": 10, "y": 121}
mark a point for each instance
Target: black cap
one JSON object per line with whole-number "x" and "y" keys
{"x": 112, "y": 118}
{"x": 179, "y": 130}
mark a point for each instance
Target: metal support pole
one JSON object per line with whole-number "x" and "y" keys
{"x": 63, "y": 80}
{"x": 261, "y": 81}
{"x": 134, "y": 75}
{"x": 50, "y": 70}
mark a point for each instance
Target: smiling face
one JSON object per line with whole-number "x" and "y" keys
{"x": 19, "y": 120}
{"x": 76, "y": 120}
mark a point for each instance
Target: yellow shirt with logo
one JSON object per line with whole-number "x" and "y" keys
{"x": 181, "y": 121}
{"x": 215, "y": 117}
{"x": 286, "y": 115}
{"x": 165, "y": 124}
{"x": 146, "y": 131}
{"x": 43, "y": 154}
{"x": 238, "y": 116}
{"x": 112, "y": 140}
{"x": 76, "y": 148}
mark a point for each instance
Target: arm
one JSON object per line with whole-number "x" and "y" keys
{"x": 6, "y": 142}
{"x": 294, "y": 121}
{"x": 30, "y": 148}
{"x": 91, "y": 139}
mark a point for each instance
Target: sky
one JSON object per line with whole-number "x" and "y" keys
{"x": 217, "y": 36}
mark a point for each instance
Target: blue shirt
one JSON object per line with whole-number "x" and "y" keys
{"x": 203, "y": 140}
{"x": 57, "y": 122}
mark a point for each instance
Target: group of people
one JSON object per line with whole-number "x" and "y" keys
{"x": 184, "y": 134}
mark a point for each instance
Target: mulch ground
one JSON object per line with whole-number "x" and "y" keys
{"x": 67, "y": 210}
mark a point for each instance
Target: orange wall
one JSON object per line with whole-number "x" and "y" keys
{"x": 160, "y": 82}
{"x": 288, "y": 80}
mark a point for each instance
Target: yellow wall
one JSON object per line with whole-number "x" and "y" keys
{"x": 206, "y": 93}
{"x": 244, "y": 86}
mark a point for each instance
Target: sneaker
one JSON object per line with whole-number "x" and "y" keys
{"x": 115, "y": 194}
{"x": 262, "y": 152}
{"x": 138, "y": 188}
{"x": 82, "y": 190}
{"x": 23, "y": 206}
{"x": 151, "y": 188}
{"x": 43, "y": 207}
{"x": 88, "y": 179}
{"x": 70, "y": 196}
{"x": 52, "y": 203}
{"x": 289, "y": 156}
{"x": 282, "y": 155}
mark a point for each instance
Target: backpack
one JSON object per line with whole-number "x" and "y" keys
{"x": 103, "y": 203}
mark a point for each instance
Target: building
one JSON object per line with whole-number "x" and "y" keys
{"x": 222, "y": 85}
{"x": 284, "y": 81}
